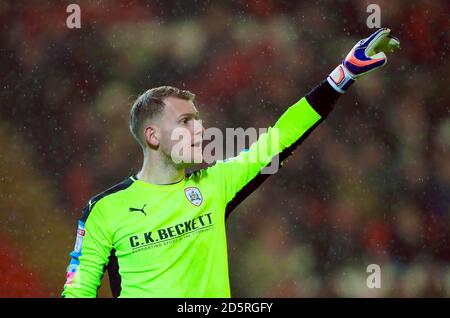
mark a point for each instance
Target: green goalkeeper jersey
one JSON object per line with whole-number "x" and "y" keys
{"x": 170, "y": 240}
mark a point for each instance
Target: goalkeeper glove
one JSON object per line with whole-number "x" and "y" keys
{"x": 366, "y": 56}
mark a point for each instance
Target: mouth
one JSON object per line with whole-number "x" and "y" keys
{"x": 196, "y": 144}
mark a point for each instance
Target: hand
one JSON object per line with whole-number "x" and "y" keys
{"x": 367, "y": 55}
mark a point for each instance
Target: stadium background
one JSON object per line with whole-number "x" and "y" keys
{"x": 370, "y": 185}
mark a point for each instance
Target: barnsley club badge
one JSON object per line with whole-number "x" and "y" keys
{"x": 194, "y": 196}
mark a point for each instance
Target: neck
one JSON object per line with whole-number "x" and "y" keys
{"x": 156, "y": 170}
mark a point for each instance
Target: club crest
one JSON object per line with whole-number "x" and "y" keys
{"x": 194, "y": 196}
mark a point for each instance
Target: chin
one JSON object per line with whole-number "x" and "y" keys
{"x": 196, "y": 159}
{"x": 190, "y": 161}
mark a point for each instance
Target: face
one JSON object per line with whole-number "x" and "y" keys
{"x": 178, "y": 132}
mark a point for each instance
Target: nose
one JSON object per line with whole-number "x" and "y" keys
{"x": 203, "y": 130}
{"x": 198, "y": 128}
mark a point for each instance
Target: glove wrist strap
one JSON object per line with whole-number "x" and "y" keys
{"x": 340, "y": 79}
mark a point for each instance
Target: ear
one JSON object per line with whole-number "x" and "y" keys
{"x": 151, "y": 137}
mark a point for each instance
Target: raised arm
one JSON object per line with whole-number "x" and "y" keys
{"x": 239, "y": 176}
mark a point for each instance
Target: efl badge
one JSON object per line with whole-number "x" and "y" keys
{"x": 194, "y": 196}
{"x": 80, "y": 235}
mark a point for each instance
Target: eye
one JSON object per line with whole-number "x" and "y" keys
{"x": 185, "y": 120}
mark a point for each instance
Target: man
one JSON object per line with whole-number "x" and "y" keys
{"x": 161, "y": 232}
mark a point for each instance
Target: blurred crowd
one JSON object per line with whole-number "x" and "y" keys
{"x": 371, "y": 185}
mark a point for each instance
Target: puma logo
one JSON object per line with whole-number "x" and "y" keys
{"x": 140, "y": 210}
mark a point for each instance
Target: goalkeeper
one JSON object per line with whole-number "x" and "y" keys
{"x": 161, "y": 232}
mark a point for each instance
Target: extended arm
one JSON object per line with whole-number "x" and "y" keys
{"x": 240, "y": 175}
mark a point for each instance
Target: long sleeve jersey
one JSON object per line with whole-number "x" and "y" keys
{"x": 170, "y": 240}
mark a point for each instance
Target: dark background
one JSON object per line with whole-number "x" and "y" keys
{"x": 370, "y": 186}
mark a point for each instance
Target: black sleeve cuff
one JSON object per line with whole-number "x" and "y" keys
{"x": 322, "y": 98}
